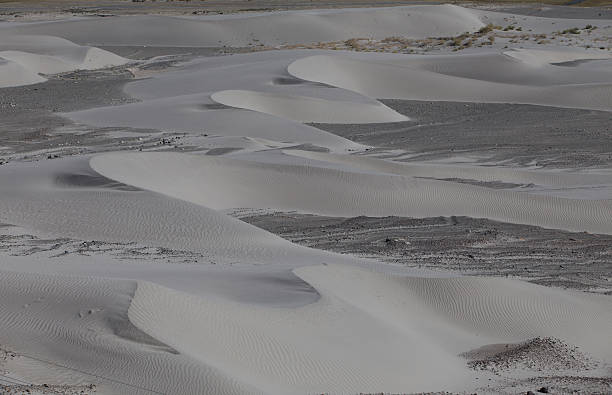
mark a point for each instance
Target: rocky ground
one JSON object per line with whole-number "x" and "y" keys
{"x": 12, "y": 385}
{"x": 516, "y": 134}
{"x": 466, "y": 245}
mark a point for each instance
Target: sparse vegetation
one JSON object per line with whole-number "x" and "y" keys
{"x": 489, "y": 28}
{"x": 573, "y": 30}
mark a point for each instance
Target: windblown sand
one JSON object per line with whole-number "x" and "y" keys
{"x": 132, "y": 146}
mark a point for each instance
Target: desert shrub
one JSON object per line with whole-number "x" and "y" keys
{"x": 573, "y": 30}
{"x": 489, "y": 28}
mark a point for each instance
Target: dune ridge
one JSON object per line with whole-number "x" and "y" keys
{"x": 36, "y": 55}
{"x": 308, "y": 109}
{"x": 441, "y": 171}
{"x": 222, "y": 183}
{"x": 454, "y": 314}
{"x": 241, "y": 30}
{"x": 394, "y": 77}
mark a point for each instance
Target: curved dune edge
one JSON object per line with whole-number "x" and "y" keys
{"x": 48, "y": 55}
{"x": 81, "y": 323}
{"x": 308, "y": 109}
{"x": 297, "y": 350}
{"x": 537, "y": 57}
{"x": 222, "y": 183}
{"x": 14, "y": 74}
{"x": 275, "y": 28}
{"x": 479, "y": 173}
{"x": 35, "y": 197}
{"x": 402, "y": 78}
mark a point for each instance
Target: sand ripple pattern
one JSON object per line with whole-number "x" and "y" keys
{"x": 222, "y": 183}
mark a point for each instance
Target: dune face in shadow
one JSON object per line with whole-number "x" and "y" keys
{"x": 92, "y": 180}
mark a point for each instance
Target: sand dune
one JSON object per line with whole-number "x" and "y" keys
{"x": 180, "y": 100}
{"x": 50, "y": 55}
{"x": 91, "y": 207}
{"x": 400, "y": 77}
{"x": 308, "y": 109}
{"x": 67, "y": 320}
{"x": 14, "y": 74}
{"x": 538, "y": 57}
{"x": 480, "y": 173}
{"x": 222, "y": 183}
{"x": 259, "y": 344}
{"x": 270, "y": 29}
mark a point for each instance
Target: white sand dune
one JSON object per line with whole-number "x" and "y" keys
{"x": 222, "y": 183}
{"x": 539, "y": 57}
{"x": 195, "y": 114}
{"x": 270, "y": 28}
{"x": 78, "y": 330}
{"x": 229, "y": 347}
{"x": 402, "y": 77}
{"x": 49, "y": 55}
{"x": 261, "y": 346}
{"x": 308, "y": 109}
{"x": 479, "y": 173}
{"x": 67, "y": 198}
{"x": 14, "y": 74}
{"x": 180, "y": 100}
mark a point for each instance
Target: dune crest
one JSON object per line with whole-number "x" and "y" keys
{"x": 308, "y": 109}
{"x": 454, "y": 315}
{"x": 414, "y": 78}
{"x": 222, "y": 183}
{"x": 49, "y": 55}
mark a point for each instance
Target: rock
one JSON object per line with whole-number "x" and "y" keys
{"x": 543, "y": 390}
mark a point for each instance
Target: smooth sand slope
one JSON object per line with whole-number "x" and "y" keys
{"x": 187, "y": 98}
{"x": 441, "y": 171}
{"x": 31, "y": 55}
{"x": 68, "y": 198}
{"x": 258, "y": 344}
{"x": 14, "y": 74}
{"x": 184, "y": 100}
{"x": 269, "y": 29}
{"x": 221, "y": 183}
{"x": 229, "y": 347}
{"x": 308, "y": 109}
{"x": 475, "y": 78}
